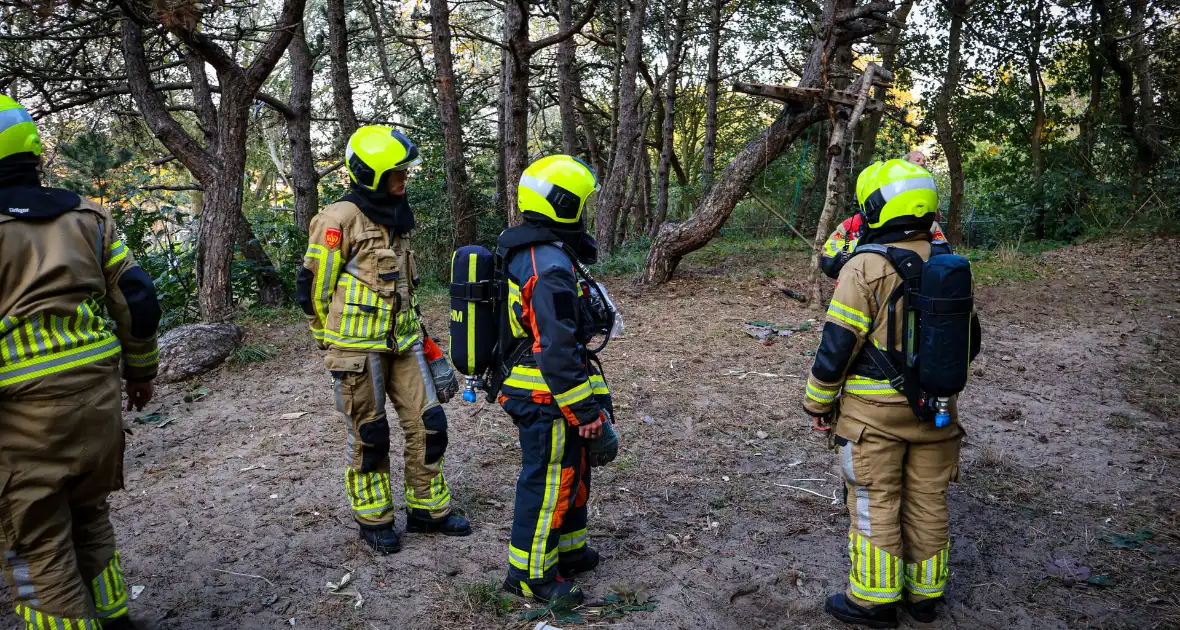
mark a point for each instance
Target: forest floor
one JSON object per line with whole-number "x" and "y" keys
{"x": 1066, "y": 515}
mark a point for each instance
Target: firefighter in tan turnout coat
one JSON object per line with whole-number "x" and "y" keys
{"x": 357, "y": 288}
{"x": 896, "y": 467}
{"x": 61, "y": 428}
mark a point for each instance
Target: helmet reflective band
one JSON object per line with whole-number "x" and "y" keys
{"x": 896, "y": 193}
{"x": 18, "y": 132}
{"x": 565, "y": 203}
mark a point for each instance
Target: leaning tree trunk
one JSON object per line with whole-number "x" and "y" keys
{"x": 942, "y": 121}
{"x": 452, "y": 125}
{"x": 838, "y": 30}
{"x": 615, "y": 189}
{"x": 840, "y": 150}
{"x": 304, "y": 178}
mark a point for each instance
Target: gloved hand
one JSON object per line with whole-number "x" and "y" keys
{"x": 605, "y": 447}
{"x": 446, "y": 384}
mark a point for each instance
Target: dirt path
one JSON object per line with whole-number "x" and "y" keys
{"x": 1072, "y": 450}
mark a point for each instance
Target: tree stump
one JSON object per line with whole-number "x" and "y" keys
{"x": 192, "y": 350}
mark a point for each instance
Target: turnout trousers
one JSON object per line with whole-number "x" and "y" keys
{"x": 896, "y": 472}
{"x": 363, "y": 382}
{"x": 549, "y": 519}
{"x": 60, "y": 458}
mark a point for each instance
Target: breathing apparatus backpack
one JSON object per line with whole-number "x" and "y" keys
{"x": 940, "y": 331}
{"x": 482, "y": 346}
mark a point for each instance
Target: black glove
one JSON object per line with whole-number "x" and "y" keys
{"x": 605, "y": 447}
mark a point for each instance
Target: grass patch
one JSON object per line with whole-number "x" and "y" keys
{"x": 487, "y": 598}
{"x": 624, "y": 261}
{"x": 248, "y": 354}
{"x": 1003, "y": 264}
{"x": 1120, "y": 421}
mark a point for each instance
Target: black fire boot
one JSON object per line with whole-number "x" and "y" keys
{"x": 121, "y": 623}
{"x": 450, "y": 525}
{"x": 575, "y": 562}
{"x": 923, "y": 611}
{"x": 841, "y": 608}
{"x": 560, "y": 593}
{"x": 382, "y": 538}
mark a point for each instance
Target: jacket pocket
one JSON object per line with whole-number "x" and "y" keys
{"x": 365, "y": 315}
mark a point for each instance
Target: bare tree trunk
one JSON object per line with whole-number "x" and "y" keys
{"x": 341, "y": 84}
{"x": 668, "y": 146}
{"x": 1129, "y": 119}
{"x": 837, "y": 185}
{"x": 818, "y": 180}
{"x": 1086, "y": 127}
{"x": 304, "y": 178}
{"x": 888, "y": 48}
{"x": 837, "y": 31}
{"x": 630, "y": 132}
{"x": 565, "y": 80}
{"x": 942, "y": 119}
{"x": 1036, "y": 135}
{"x": 709, "y": 159}
{"x": 452, "y": 125}
{"x": 1145, "y": 160}
{"x": 586, "y": 121}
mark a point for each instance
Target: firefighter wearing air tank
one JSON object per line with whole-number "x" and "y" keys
{"x": 357, "y": 287}
{"x": 61, "y": 427}
{"x": 557, "y": 398}
{"x": 899, "y": 447}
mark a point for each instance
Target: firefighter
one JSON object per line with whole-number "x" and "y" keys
{"x": 559, "y": 402}
{"x": 61, "y": 423}
{"x": 896, "y": 468}
{"x": 357, "y": 288}
{"x": 840, "y": 245}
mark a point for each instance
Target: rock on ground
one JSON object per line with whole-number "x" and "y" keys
{"x": 192, "y": 350}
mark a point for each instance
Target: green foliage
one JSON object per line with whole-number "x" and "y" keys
{"x": 487, "y": 598}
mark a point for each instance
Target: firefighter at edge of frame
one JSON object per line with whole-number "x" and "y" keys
{"x": 896, "y": 468}
{"x": 61, "y": 423}
{"x": 357, "y": 287}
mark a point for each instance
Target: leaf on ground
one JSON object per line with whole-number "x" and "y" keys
{"x": 1100, "y": 580}
{"x": 295, "y": 415}
{"x": 197, "y": 394}
{"x": 270, "y": 599}
{"x": 147, "y": 418}
{"x": 1131, "y": 541}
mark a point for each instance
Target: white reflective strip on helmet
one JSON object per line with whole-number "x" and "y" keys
{"x": 14, "y": 116}
{"x": 348, "y": 152}
{"x": 893, "y": 189}
{"x": 539, "y": 186}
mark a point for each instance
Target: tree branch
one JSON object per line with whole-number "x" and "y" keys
{"x": 574, "y": 29}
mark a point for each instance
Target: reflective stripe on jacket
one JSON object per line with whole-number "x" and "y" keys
{"x": 357, "y": 283}
{"x": 58, "y": 274}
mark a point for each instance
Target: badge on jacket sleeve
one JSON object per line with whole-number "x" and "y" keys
{"x": 332, "y": 237}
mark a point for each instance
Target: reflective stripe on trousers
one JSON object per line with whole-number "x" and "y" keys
{"x": 37, "y": 620}
{"x": 928, "y": 577}
{"x": 110, "y": 591}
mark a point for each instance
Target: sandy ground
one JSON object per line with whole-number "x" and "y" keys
{"x": 234, "y": 517}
